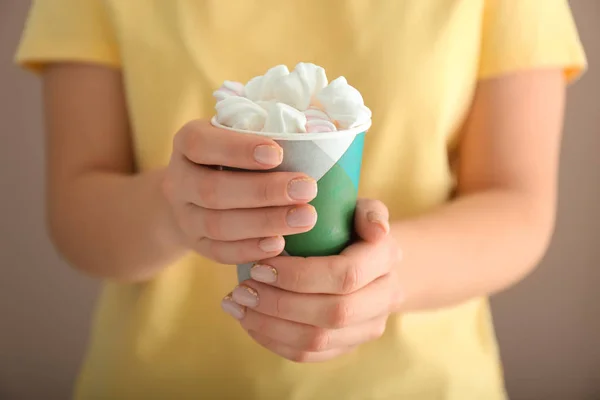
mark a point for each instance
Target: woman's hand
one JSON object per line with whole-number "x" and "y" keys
{"x": 313, "y": 309}
{"x": 235, "y": 217}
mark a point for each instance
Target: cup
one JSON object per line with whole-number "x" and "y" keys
{"x": 334, "y": 160}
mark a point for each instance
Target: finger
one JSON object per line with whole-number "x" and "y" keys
{"x": 371, "y": 220}
{"x": 202, "y": 143}
{"x": 295, "y": 355}
{"x": 221, "y": 190}
{"x": 311, "y": 338}
{"x": 233, "y": 225}
{"x": 326, "y": 311}
{"x": 359, "y": 265}
{"x": 241, "y": 251}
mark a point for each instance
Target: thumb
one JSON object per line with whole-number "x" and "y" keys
{"x": 371, "y": 220}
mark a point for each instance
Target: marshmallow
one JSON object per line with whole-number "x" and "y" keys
{"x": 282, "y": 118}
{"x": 265, "y": 104}
{"x": 284, "y": 102}
{"x": 298, "y": 89}
{"x": 261, "y": 88}
{"x": 228, "y": 89}
{"x": 320, "y": 125}
{"x": 315, "y": 113}
{"x": 344, "y": 104}
{"x": 318, "y": 121}
{"x": 240, "y": 113}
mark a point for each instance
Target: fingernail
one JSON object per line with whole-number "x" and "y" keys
{"x": 300, "y": 217}
{"x": 232, "y": 308}
{"x": 271, "y": 244}
{"x": 245, "y": 296}
{"x": 302, "y": 189}
{"x": 263, "y": 273}
{"x": 268, "y": 155}
{"x": 380, "y": 220}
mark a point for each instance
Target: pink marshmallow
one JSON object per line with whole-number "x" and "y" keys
{"x": 313, "y": 113}
{"x": 319, "y": 125}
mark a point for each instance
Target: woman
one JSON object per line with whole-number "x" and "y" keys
{"x": 459, "y": 186}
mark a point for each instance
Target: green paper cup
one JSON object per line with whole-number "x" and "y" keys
{"x": 334, "y": 160}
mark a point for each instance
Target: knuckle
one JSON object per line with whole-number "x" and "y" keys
{"x": 351, "y": 277}
{"x": 248, "y": 147}
{"x": 318, "y": 340}
{"x": 265, "y": 195}
{"x": 207, "y": 191}
{"x": 267, "y": 190}
{"x": 295, "y": 278}
{"x": 211, "y": 222}
{"x": 264, "y": 326}
{"x": 340, "y": 315}
{"x": 216, "y": 252}
{"x": 245, "y": 251}
{"x": 167, "y": 186}
{"x": 256, "y": 323}
{"x": 279, "y": 306}
{"x": 184, "y": 220}
{"x": 264, "y": 191}
{"x": 189, "y": 137}
{"x": 260, "y": 338}
{"x": 267, "y": 222}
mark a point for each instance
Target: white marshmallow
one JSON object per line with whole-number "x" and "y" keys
{"x": 344, "y": 104}
{"x": 228, "y": 89}
{"x": 241, "y": 113}
{"x": 298, "y": 89}
{"x": 282, "y": 118}
{"x": 261, "y": 88}
{"x": 265, "y": 104}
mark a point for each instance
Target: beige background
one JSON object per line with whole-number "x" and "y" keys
{"x": 547, "y": 326}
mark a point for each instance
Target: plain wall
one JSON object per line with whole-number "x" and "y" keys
{"x": 548, "y": 330}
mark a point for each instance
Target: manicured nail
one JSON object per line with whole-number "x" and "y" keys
{"x": 302, "y": 189}
{"x": 263, "y": 273}
{"x": 232, "y": 308}
{"x": 268, "y": 155}
{"x": 380, "y": 220}
{"x": 300, "y": 217}
{"x": 269, "y": 245}
{"x": 245, "y": 296}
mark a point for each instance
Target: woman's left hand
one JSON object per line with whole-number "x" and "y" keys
{"x": 317, "y": 308}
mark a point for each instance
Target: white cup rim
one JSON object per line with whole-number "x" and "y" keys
{"x": 299, "y": 136}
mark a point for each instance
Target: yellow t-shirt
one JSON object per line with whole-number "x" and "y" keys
{"x": 415, "y": 61}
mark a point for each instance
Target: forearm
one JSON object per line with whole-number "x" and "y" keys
{"x": 476, "y": 245}
{"x": 114, "y": 226}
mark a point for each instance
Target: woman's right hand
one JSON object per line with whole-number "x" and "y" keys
{"x": 234, "y": 217}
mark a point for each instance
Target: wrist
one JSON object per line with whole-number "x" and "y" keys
{"x": 168, "y": 232}
{"x": 409, "y": 280}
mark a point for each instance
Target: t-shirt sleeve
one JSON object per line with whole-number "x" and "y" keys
{"x": 68, "y": 31}
{"x": 524, "y": 34}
